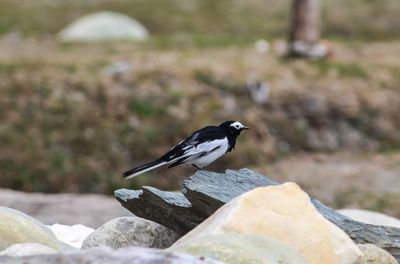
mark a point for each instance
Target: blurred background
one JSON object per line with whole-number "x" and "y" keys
{"x": 85, "y": 96}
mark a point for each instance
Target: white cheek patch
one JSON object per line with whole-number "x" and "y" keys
{"x": 237, "y": 125}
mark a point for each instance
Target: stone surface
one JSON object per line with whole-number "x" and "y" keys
{"x": 131, "y": 231}
{"x": 90, "y": 210}
{"x": 104, "y": 26}
{"x": 26, "y": 249}
{"x": 370, "y": 217}
{"x": 107, "y": 256}
{"x": 170, "y": 209}
{"x": 241, "y": 249}
{"x": 275, "y": 212}
{"x": 17, "y": 227}
{"x": 209, "y": 190}
{"x": 71, "y": 235}
{"x": 374, "y": 255}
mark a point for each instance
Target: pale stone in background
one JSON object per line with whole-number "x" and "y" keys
{"x": 370, "y": 217}
{"x": 104, "y": 26}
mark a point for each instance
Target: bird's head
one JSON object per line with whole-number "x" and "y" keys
{"x": 233, "y": 127}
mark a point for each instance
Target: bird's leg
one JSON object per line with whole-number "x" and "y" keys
{"x": 197, "y": 167}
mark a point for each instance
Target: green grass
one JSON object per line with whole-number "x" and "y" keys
{"x": 208, "y": 22}
{"x": 346, "y": 70}
{"x": 7, "y": 68}
{"x": 146, "y": 108}
{"x": 67, "y": 127}
{"x": 207, "y": 77}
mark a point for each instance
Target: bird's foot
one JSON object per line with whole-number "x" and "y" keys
{"x": 197, "y": 167}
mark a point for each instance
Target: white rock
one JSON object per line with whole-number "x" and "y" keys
{"x": 117, "y": 68}
{"x": 104, "y": 26}
{"x": 259, "y": 91}
{"x": 71, "y": 235}
{"x": 261, "y": 46}
{"x": 26, "y": 249}
{"x": 370, "y": 217}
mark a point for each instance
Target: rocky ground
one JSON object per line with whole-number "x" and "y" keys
{"x": 88, "y": 209}
{"x": 251, "y": 224}
{"x": 344, "y": 180}
{"x": 364, "y": 181}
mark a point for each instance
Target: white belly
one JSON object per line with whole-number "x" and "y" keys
{"x": 207, "y": 159}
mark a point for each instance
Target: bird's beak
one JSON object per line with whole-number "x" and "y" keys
{"x": 246, "y": 127}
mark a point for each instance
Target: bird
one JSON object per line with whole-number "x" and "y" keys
{"x": 199, "y": 150}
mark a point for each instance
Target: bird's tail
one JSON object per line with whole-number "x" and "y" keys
{"x": 143, "y": 168}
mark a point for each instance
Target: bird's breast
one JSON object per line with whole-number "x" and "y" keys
{"x": 214, "y": 149}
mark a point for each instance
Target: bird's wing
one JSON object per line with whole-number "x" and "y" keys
{"x": 199, "y": 151}
{"x": 194, "y": 145}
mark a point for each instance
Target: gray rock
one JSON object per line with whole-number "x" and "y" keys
{"x": 26, "y": 249}
{"x": 104, "y": 26}
{"x": 241, "y": 249}
{"x": 205, "y": 192}
{"x": 117, "y": 69}
{"x": 169, "y": 209}
{"x": 17, "y": 227}
{"x": 131, "y": 231}
{"x": 107, "y": 256}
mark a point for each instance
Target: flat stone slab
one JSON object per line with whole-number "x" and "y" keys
{"x": 204, "y": 192}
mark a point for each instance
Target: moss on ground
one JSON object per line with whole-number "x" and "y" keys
{"x": 66, "y": 126}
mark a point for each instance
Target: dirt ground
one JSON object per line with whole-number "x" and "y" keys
{"x": 369, "y": 181}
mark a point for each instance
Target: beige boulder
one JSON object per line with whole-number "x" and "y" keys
{"x": 241, "y": 249}
{"x": 374, "y": 255}
{"x": 17, "y": 227}
{"x": 284, "y": 213}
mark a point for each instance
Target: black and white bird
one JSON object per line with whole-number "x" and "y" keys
{"x": 200, "y": 149}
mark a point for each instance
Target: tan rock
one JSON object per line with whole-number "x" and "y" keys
{"x": 240, "y": 249}
{"x": 374, "y": 255}
{"x": 285, "y": 213}
{"x": 17, "y": 227}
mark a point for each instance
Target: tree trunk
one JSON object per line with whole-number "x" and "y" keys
{"x": 305, "y": 27}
